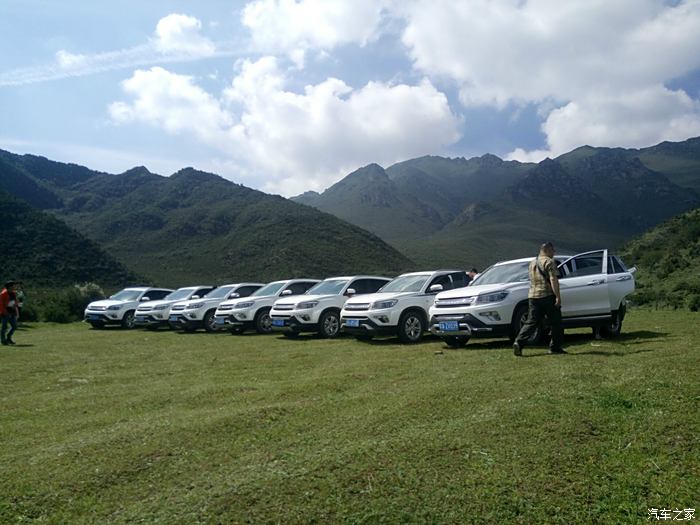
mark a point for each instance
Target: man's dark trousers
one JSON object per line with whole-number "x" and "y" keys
{"x": 538, "y": 309}
{"x": 12, "y": 321}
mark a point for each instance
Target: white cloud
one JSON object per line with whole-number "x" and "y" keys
{"x": 597, "y": 68}
{"x": 177, "y": 33}
{"x": 293, "y": 27}
{"x": 293, "y": 141}
{"x": 176, "y": 38}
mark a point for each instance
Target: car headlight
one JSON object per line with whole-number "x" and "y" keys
{"x": 307, "y": 305}
{"x": 381, "y": 305}
{"x": 115, "y": 307}
{"x": 161, "y": 306}
{"x": 240, "y": 306}
{"x": 491, "y": 297}
{"x": 194, "y": 306}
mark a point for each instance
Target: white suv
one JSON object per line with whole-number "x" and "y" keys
{"x": 239, "y": 315}
{"x": 153, "y": 314}
{"x": 196, "y": 313}
{"x": 318, "y": 310}
{"x": 120, "y": 307}
{"x": 594, "y": 287}
{"x": 400, "y": 307}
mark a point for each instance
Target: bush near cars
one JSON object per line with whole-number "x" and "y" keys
{"x": 594, "y": 286}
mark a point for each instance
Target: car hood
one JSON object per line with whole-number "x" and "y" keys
{"x": 470, "y": 291}
{"x": 107, "y": 303}
{"x": 374, "y": 297}
{"x": 305, "y": 299}
{"x": 153, "y": 304}
{"x": 248, "y": 299}
{"x": 194, "y": 301}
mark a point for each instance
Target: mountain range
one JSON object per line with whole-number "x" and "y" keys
{"x": 463, "y": 212}
{"x": 191, "y": 227}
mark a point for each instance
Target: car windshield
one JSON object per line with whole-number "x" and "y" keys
{"x": 219, "y": 293}
{"x": 126, "y": 295}
{"x": 269, "y": 289}
{"x": 179, "y": 295}
{"x": 328, "y": 287}
{"x": 504, "y": 273}
{"x": 406, "y": 283}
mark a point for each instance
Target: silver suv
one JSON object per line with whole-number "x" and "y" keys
{"x": 120, "y": 307}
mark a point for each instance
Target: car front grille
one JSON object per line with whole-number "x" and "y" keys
{"x": 357, "y": 307}
{"x": 178, "y": 307}
{"x": 284, "y": 307}
{"x": 226, "y": 307}
{"x": 457, "y": 301}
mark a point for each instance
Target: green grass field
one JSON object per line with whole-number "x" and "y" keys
{"x": 157, "y": 427}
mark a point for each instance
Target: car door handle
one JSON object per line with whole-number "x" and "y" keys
{"x": 624, "y": 278}
{"x": 595, "y": 282}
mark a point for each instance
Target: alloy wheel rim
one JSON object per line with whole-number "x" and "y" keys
{"x": 413, "y": 328}
{"x": 331, "y": 325}
{"x": 266, "y": 323}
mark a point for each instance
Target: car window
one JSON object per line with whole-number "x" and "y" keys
{"x": 203, "y": 291}
{"x": 504, "y": 273}
{"x": 459, "y": 279}
{"x": 619, "y": 265}
{"x": 585, "y": 264}
{"x": 360, "y": 286}
{"x": 299, "y": 288}
{"x": 245, "y": 291}
{"x": 443, "y": 280}
{"x": 155, "y": 295}
{"x": 374, "y": 284}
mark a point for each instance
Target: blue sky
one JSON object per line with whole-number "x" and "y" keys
{"x": 288, "y": 96}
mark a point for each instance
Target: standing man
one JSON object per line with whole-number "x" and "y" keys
{"x": 544, "y": 299}
{"x": 8, "y": 313}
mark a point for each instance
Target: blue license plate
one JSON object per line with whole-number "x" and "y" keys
{"x": 353, "y": 323}
{"x": 173, "y": 318}
{"x": 278, "y": 322}
{"x": 93, "y": 317}
{"x": 449, "y": 326}
{"x": 220, "y": 320}
{"x": 140, "y": 318}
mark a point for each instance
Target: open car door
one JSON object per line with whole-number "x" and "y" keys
{"x": 583, "y": 282}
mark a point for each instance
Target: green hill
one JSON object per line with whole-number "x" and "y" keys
{"x": 668, "y": 258}
{"x": 196, "y": 226}
{"x": 460, "y": 212}
{"x": 43, "y": 250}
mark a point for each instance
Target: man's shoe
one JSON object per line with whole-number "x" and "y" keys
{"x": 517, "y": 350}
{"x": 11, "y": 342}
{"x": 557, "y": 351}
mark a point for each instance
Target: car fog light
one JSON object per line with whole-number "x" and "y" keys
{"x": 382, "y": 318}
{"x": 491, "y": 316}
{"x": 242, "y": 316}
{"x": 193, "y": 316}
{"x": 305, "y": 317}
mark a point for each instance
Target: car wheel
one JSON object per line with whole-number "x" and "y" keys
{"x": 411, "y": 327}
{"x": 210, "y": 321}
{"x": 97, "y": 325}
{"x": 456, "y": 341}
{"x": 330, "y": 324}
{"x": 614, "y": 328}
{"x": 519, "y": 319}
{"x": 263, "y": 322}
{"x": 128, "y": 320}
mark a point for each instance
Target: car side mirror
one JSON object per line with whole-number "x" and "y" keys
{"x": 287, "y": 292}
{"x": 144, "y": 299}
{"x": 436, "y": 288}
{"x": 233, "y": 295}
{"x": 632, "y": 270}
{"x": 350, "y": 292}
{"x": 195, "y": 297}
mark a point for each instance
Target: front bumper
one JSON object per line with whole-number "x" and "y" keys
{"x": 182, "y": 320}
{"x": 150, "y": 319}
{"x": 230, "y": 322}
{"x": 103, "y": 317}
{"x": 292, "y": 323}
{"x": 364, "y": 325}
{"x": 447, "y": 325}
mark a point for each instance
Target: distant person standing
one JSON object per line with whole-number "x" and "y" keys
{"x": 472, "y": 274}
{"x": 8, "y": 313}
{"x": 544, "y": 300}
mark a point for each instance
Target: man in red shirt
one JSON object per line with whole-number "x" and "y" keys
{"x": 8, "y": 313}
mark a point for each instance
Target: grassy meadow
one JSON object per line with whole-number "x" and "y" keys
{"x": 120, "y": 426}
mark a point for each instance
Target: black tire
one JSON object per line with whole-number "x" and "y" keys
{"x": 411, "y": 326}
{"x": 128, "y": 320}
{"x": 456, "y": 341}
{"x": 614, "y": 328}
{"x": 209, "y": 321}
{"x": 329, "y": 324}
{"x": 516, "y": 324}
{"x": 263, "y": 322}
{"x": 97, "y": 325}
